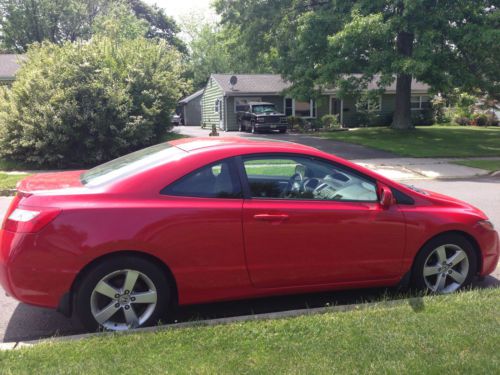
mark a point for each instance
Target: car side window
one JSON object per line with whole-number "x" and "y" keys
{"x": 300, "y": 177}
{"x": 212, "y": 181}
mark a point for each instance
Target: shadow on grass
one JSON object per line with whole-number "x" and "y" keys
{"x": 30, "y": 323}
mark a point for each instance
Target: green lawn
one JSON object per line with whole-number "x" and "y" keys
{"x": 9, "y": 181}
{"x": 434, "y": 335}
{"x": 489, "y": 165}
{"x": 431, "y": 141}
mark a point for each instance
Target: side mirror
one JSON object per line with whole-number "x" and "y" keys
{"x": 386, "y": 197}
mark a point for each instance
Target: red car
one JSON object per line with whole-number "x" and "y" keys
{"x": 199, "y": 220}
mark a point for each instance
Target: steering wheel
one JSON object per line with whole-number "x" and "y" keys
{"x": 295, "y": 185}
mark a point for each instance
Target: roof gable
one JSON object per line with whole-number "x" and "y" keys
{"x": 9, "y": 65}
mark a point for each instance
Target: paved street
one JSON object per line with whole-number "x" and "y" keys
{"x": 23, "y": 322}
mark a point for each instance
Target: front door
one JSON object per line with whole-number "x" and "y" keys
{"x": 313, "y": 222}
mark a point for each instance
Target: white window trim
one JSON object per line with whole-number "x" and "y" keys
{"x": 313, "y": 107}
{"x": 419, "y": 102}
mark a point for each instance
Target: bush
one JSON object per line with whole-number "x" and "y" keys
{"x": 80, "y": 104}
{"x": 480, "y": 119}
{"x": 422, "y": 117}
{"x": 296, "y": 124}
{"x": 439, "y": 108}
{"x": 330, "y": 122}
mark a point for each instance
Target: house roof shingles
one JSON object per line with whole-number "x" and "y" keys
{"x": 9, "y": 65}
{"x": 252, "y": 83}
{"x": 273, "y": 84}
{"x": 187, "y": 99}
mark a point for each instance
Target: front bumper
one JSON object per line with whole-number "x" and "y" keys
{"x": 490, "y": 246}
{"x": 264, "y": 126}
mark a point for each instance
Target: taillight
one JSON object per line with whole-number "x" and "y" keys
{"x": 29, "y": 219}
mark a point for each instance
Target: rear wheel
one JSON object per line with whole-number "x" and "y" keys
{"x": 444, "y": 265}
{"x": 122, "y": 293}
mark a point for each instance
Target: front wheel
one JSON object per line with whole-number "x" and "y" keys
{"x": 122, "y": 293}
{"x": 444, "y": 265}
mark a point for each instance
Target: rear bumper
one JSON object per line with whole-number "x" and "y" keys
{"x": 29, "y": 275}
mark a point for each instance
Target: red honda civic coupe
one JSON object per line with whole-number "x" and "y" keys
{"x": 199, "y": 220}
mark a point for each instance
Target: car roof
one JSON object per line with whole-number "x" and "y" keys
{"x": 194, "y": 144}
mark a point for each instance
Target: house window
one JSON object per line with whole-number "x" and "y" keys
{"x": 370, "y": 105}
{"x": 420, "y": 102}
{"x": 300, "y": 108}
{"x": 241, "y": 104}
{"x": 218, "y": 105}
{"x": 289, "y": 106}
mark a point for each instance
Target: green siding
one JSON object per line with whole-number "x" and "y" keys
{"x": 208, "y": 115}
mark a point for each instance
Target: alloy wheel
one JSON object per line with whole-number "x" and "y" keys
{"x": 446, "y": 269}
{"x": 123, "y": 299}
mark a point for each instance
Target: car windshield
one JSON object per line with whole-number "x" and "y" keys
{"x": 264, "y": 108}
{"x": 130, "y": 164}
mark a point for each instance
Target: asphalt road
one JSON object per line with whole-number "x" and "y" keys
{"x": 23, "y": 322}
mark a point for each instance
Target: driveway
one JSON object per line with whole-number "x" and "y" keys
{"x": 22, "y": 322}
{"x": 342, "y": 149}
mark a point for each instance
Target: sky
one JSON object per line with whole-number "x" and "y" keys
{"x": 183, "y": 8}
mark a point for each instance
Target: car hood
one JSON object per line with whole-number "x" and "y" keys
{"x": 269, "y": 114}
{"x": 446, "y": 200}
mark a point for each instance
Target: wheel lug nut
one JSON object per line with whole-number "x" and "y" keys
{"x": 449, "y": 272}
{"x": 127, "y": 307}
{"x": 117, "y": 296}
{"x": 132, "y": 299}
{"x": 117, "y": 305}
{"x": 127, "y": 292}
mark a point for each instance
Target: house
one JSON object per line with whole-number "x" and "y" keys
{"x": 9, "y": 65}
{"x": 221, "y": 99}
{"x": 189, "y": 109}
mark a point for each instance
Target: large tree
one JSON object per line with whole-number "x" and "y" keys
{"x": 445, "y": 43}
{"x": 24, "y": 22}
{"x": 217, "y": 49}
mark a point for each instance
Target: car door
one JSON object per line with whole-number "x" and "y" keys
{"x": 309, "y": 221}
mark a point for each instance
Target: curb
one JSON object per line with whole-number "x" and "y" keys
{"x": 221, "y": 321}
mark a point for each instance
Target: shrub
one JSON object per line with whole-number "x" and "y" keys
{"x": 439, "y": 108}
{"x": 80, "y": 104}
{"x": 296, "y": 123}
{"x": 480, "y": 119}
{"x": 330, "y": 122}
{"x": 491, "y": 119}
{"x": 422, "y": 117}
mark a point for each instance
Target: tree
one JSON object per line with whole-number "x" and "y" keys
{"x": 28, "y": 21}
{"x": 82, "y": 103}
{"x": 445, "y": 43}
{"x": 217, "y": 49}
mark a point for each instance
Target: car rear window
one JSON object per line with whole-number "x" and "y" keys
{"x": 131, "y": 163}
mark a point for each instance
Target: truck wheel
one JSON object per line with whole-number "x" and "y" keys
{"x": 283, "y": 131}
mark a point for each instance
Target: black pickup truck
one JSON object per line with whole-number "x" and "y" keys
{"x": 261, "y": 116}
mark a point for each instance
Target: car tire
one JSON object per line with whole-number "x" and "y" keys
{"x": 282, "y": 131}
{"x": 104, "y": 301}
{"x": 445, "y": 264}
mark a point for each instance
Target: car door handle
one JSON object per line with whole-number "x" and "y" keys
{"x": 269, "y": 217}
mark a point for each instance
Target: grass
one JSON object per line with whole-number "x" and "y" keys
{"x": 9, "y": 180}
{"x": 434, "y": 335}
{"x": 431, "y": 141}
{"x": 489, "y": 165}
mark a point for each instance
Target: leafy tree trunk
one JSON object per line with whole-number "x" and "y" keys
{"x": 402, "y": 111}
